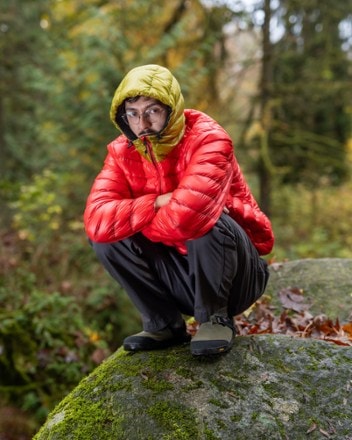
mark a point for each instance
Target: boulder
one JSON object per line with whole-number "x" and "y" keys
{"x": 326, "y": 284}
{"x": 266, "y": 387}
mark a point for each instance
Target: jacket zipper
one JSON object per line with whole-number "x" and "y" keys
{"x": 149, "y": 152}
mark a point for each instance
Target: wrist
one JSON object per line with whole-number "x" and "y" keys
{"x": 156, "y": 205}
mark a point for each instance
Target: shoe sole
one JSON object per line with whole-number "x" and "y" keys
{"x": 155, "y": 345}
{"x": 144, "y": 347}
{"x": 211, "y": 351}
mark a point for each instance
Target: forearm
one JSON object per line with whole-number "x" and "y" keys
{"x": 113, "y": 220}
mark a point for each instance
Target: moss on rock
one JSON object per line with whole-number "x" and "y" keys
{"x": 267, "y": 387}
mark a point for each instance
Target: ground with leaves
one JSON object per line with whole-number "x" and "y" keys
{"x": 294, "y": 320}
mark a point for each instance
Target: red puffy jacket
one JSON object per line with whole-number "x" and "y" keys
{"x": 200, "y": 170}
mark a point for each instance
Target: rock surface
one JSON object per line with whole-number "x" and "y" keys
{"x": 266, "y": 387}
{"x": 326, "y": 284}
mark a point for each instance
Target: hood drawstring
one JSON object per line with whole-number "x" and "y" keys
{"x": 145, "y": 143}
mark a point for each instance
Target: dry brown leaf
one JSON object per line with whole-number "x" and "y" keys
{"x": 312, "y": 428}
{"x": 292, "y": 298}
{"x": 297, "y": 322}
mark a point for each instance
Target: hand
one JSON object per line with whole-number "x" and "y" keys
{"x": 162, "y": 200}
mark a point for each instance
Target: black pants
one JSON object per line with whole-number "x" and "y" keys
{"x": 221, "y": 274}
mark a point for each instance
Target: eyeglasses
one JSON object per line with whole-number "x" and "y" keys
{"x": 152, "y": 114}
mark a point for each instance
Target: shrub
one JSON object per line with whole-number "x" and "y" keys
{"x": 46, "y": 345}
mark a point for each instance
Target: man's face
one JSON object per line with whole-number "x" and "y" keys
{"x": 145, "y": 116}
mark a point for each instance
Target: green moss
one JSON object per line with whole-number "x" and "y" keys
{"x": 146, "y": 364}
{"x": 178, "y": 419}
{"x": 236, "y": 418}
{"x": 92, "y": 419}
{"x": 218, "y": 384}
{"x": 273, "y": 389}
{"x": 209, "y": 435}
{"x": 254, "y": 416}
{"x": 221, "y": 424}
{"x": 218, "y": 403}
{"x": 185, "y": 372}
{"x": 77, "y": 416}
{"x": 280, "y": 428}
{"x": 126, "y": 364}
{"x": 193, "y": 386}
{"x": 158, "y": 362}
{"x": 280, "y": 365}
{"x": 157, "y": 385}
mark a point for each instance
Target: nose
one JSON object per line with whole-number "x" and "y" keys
{"x": 144, "y": 121}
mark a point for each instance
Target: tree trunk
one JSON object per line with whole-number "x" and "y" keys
{"x": 264, "y": 170}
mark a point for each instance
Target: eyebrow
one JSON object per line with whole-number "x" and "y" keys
{"x": 127, "y": 107}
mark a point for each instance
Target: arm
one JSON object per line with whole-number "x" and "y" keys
{"x": 196, "y": 204}
{"x": 244, "y": 209}
{"x": 111, "y": 213}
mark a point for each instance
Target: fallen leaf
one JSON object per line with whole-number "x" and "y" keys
{"x": 326, "y": 434}
{"x": 348, "y": 329}
{"x": 292, "y": 298}
{"x": 312, "y": 428}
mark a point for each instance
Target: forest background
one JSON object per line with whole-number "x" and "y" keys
{"x": 275, "y": 73}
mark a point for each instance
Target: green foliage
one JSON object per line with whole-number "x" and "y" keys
{"x": 24, "y": 86}
{"x": 312, "y": 223}
{"x": 60, "y": 316}
{"x": 46, "y": 345}
{"x": 38, "y": 212}
{"x": 311, "y": 93}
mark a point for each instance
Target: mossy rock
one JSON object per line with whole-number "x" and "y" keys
{"x": 326, "y": 284}
{"x": 266, "y": 387}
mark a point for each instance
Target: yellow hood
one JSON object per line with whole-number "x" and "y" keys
{"x": 155, "y": 82}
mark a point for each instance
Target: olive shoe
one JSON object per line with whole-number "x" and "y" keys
{"x": 156, "y": 340}
{"x": 213, "y": 337}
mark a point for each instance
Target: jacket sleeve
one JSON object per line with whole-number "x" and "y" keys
{"x": 199, "y": 199}
{"x": 244, "y": 209}
{"x": 111, "y": 214}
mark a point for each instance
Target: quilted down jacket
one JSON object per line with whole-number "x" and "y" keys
{"x": 192, "y": 157}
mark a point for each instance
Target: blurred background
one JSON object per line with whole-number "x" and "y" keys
{"x": 275, "y": 73}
